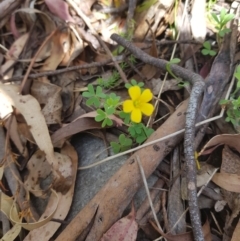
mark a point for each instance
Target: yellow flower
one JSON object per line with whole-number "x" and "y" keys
{"x": 138, "y": 103}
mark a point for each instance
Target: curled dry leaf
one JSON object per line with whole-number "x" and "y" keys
{"x": 124, "y": 229}
{"x": 82, "y": 123}
{"x": 29, "y": 18}
{"x": 45, "y": 232}
{"x": 232, "y": 140}
{"x": 7, "y": 207}
{"x": 74, "y": 127}
{"x": 31, "y": 111}
{"x": 14, "y": 217}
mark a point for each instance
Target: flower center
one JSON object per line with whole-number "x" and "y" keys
{"x": 137, "y": 104}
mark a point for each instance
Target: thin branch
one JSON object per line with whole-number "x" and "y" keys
{"x": 148, "y": 193}
{"x": 64, "y": 70}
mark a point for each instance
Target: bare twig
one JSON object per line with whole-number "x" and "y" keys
{"x": 65, "y": 70}
{"x": 198, "y": 86}
{"x": 148, "y": 193}
{"x": 131, "y": 8}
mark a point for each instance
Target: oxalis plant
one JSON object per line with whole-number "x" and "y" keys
{"x": 220, "y": 21}
{"x": 233, "y": 104}
{"x": 129, "y": 111}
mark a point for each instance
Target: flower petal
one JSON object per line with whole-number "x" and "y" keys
{"x": 146, "y": 96}
{"x": 128, "y": 106}
{"x": 136, "y": 115}
{"x": 147, "y": 109}
{"x": 134, "y": 92}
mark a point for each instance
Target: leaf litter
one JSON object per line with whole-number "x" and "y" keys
{"x": 39, "y": 115}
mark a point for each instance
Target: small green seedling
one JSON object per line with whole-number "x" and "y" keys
{"x": 233, "y": 104}
{"x": 207, "y": 49}
{"x": 134, "y": 82}
{"x": 168, "y": 67}
{"x": 110, "y": 82}
{"x": 124, "y": 144}
{"x": 221, "y": 21}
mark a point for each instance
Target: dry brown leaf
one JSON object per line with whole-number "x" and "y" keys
{"x": 76, "y": 48}
{"x": 149, "y": 71}
{"x": 49, "y": 24}
{"x": 38, "y": 169}
{"x": 60, "y": 45}
{"x": 230, "y": 165}
{"x": 227, "y": 181}
{"x": 45, "y": 232}
{"x": 232, "y": 140}
{"x": 49, "y": 96}
{"x": 12, "y": 126}
{"x": 24, "y": 130}
{"x": 6, "y": 207}
{"x": 124, "y": 229}
{"x": 188, "y": 236}
{"x": 13, "y": 54}
{"x": 75, "y": 127}
{"x": 230, "y": 161}
{"x": 60, "y": 9}
{"x": 236, "y": 233}
{"x": 14, "y": 217}
{"x": 82, "y": 123}
{"x": 31, "y": 111}
{"x": 154, "y": 15}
